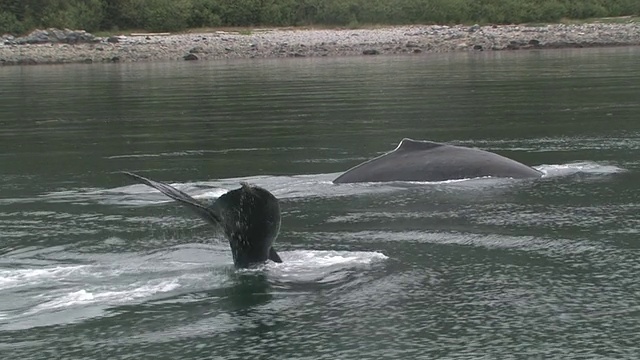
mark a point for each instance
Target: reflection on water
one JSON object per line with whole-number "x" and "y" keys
{"x": 92, "y": 266}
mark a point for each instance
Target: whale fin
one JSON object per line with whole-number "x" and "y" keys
{"x": 205, "y": 212}
{"x": 273, "y": 256}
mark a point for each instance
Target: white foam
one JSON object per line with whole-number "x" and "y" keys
{"x": 84, "y": 297}
{"x": 302, "y": 265}
{"x": 319, "y": 258}
{"x": 318, "y": 265}
{"x": 10, "y": 278}
{"x": 211, "y": 194}
{"x": 586, "y": 167}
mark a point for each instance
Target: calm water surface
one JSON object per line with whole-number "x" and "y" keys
{"x": 95, "y": 267}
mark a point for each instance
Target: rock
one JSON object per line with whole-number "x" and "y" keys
{"x": 417, "y": 51}
{"x": 534, "y": 42}
{"x": 113, "y": 39}
{"x": 27, "y": 61}
{"x": 412, "y": 45}
{"x": 77, "y": 37}
{"x": 477, "y": 47}
{"x": 115, "y": 59}
{"x": 299, "y": 55}
{"x": 190, "y": 57}
{"x": 473, "y": 28}
{"x": 197, "y": 50}
{"x": 370, "y": 52}
{"x": 54, "y": 35}
{"x": 35, "y": 37}
{"x": 87, "y": 61}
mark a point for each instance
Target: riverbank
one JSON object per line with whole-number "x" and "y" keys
{"x": 280, "y": 43}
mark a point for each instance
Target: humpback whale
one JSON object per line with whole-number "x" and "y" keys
{"x": 416, "y": 160}
{"x": 248, "y": 216}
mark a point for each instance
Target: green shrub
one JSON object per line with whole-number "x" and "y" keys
{"x": 156, "y": 15}
{"x": 307, "y": 11}
{"x": 337, "y": 12}
{"x": 204, "y": 13}
{"x": 278, "y": 12}
{"x": 9, "y": 24}
{"x": 240, "y": 12}
{"x": 445, "y": 11}
{"x": 548, "y": 11}
{"x": 76, "y": 14}
{"x": 585, "y": 9}
{"x": 18, "y": 16}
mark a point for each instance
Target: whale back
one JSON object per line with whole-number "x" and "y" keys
{"x": 430, "y": 161}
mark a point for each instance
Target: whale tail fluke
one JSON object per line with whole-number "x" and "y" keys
{"x": 273, "y": 256}
{"x": 248, "y": 216}
{"x": 199, "y": 208}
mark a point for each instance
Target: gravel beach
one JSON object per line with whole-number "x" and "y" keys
{"x": 278, "y": 43}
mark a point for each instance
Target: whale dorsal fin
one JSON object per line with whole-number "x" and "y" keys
{"x": 412, "y": 145}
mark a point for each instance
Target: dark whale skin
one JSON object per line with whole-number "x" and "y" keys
{"x": 430, "y": 161}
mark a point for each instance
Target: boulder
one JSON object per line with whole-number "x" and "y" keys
{"x": 53, "y": 35}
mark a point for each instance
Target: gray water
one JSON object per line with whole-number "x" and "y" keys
{"x": 95, "y": 267}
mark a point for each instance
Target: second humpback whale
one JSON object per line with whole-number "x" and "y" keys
{"x": 431, "y": 161}
{"x": 248, "y": 216}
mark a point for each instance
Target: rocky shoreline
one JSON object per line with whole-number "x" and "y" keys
{"x": 54, "y": 46}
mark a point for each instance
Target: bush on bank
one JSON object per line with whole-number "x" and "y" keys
{"x": 19, "y": 16}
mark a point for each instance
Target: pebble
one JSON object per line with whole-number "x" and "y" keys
{"x": 271, "y": 43}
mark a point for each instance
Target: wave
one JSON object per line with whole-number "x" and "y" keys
{"x": 10, "y": 278}
{"x": 63, "y": 294}
{"x": 291, "y": 187}
{"x": 203, "y": 152}
{"x": 628, "y": 141}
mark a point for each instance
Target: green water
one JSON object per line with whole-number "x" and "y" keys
{"x": 95, "y": 267}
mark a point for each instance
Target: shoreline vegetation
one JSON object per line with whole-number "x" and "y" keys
{"x": 232, "y": 29}
{"x": 21, "y": 16}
